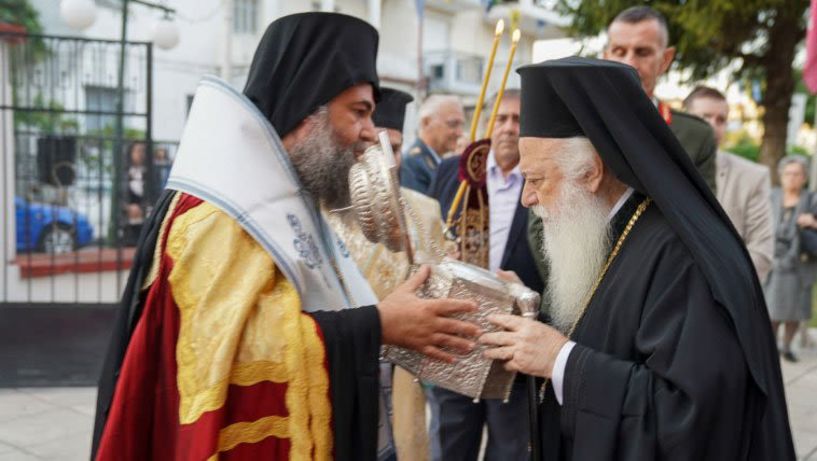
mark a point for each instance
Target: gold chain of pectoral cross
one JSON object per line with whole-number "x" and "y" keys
{"x": 616, "y": 249}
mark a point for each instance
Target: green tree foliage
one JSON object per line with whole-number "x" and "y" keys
{"x": 50, "y": 120}
{"x": 20, "y": 12}
{"x": 761, "y": 36}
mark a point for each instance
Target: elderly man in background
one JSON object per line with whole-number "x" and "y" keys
{"x": 441, "y": 124}
{"x": 743, "y": 187}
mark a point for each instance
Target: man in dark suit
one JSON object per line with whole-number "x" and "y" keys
{"x": 441, "y": 123}
{"x": 456, "y": 421}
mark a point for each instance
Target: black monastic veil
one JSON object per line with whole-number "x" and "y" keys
{"x": 687, "y": 242}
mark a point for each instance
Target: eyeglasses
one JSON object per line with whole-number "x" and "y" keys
{"x": 453, "y": 124}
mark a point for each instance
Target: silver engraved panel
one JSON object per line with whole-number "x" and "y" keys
{"x": 472, "y": 375}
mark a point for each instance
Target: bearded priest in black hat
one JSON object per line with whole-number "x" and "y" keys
{"x": 659, "y": 344}
{"x": 235, "y": 336}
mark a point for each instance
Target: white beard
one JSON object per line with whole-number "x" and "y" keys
{"x": 576, "y": 243}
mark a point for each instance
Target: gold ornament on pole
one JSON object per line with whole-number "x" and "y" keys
{"x": 471, "y": 229}
{"x": 500, "y": 27}
{"x": 514, "y": 42}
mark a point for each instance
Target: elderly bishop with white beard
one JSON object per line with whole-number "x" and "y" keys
{"x": 660, "y": 345}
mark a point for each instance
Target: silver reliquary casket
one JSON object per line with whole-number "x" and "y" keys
{"x": 382, "y": 216}
{"x": 472, "y": 375}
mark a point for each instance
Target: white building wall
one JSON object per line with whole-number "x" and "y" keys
{"x": 397, "y": 57}
{"x": 203, "y": 28}
{"x": 208, "y": 45}
{"x": 84, "y": 288}
{"x": 176, "y": 71}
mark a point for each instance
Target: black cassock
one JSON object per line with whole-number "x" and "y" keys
{"x": 658, "y": 371}
{"x": 675, "y": 357}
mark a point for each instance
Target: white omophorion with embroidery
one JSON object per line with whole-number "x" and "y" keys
{"x": 230, "y": 156}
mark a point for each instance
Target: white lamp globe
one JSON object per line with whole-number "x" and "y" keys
{"x": 78, "y": 14}
{"x": 165, "y": 34}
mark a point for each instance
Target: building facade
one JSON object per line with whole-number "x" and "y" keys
{"x": 442, "y": 48}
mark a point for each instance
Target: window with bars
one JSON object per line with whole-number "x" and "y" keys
{"x": 245, "y": 14}
{"x": 99, "y": 99}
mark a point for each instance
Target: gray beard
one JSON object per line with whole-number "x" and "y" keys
{"x": 323, "y": 164}
{"x": 576, "y": 243}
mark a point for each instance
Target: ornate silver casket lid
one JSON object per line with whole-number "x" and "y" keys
{"x": 376, "y": 199}
{"x": 472, "y": 375}
{"x": 380, "y": 211}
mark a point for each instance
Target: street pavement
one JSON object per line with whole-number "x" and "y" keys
{"x": 801, "y": 395}
{"x": 56, "y": 423}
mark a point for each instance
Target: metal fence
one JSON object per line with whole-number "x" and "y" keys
{"x": 76, "y": 194}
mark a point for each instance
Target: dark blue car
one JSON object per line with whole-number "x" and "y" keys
{"x": 50, "y": 228}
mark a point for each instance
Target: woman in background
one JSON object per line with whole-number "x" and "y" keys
{"x": 788, "y": 288}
